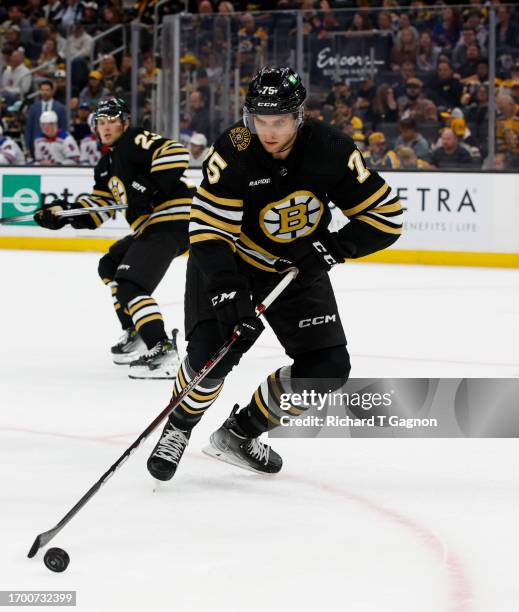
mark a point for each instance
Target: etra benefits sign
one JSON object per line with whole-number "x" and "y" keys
{"x": 21, "y": 195}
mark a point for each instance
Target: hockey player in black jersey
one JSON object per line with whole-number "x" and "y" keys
{"x": 262, "y": 204}
{"x": 144, "y": 171}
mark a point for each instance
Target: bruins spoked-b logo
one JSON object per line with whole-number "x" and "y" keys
{"x": 118, "y": 190}
{"x": 240, "y": 138}
{"x": 297, "y": 215}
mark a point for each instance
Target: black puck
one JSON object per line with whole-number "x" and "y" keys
{"x": 56, "y": 559}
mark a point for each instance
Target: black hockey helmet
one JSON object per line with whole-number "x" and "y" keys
{"x": 111, "y": 107}
{"x": 274, "y": 91}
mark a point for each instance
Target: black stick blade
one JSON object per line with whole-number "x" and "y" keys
{"x": 35, "y": 547}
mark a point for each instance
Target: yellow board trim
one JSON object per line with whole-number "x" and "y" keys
{"x": 392, "y": 256}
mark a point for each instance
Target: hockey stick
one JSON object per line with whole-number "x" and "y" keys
{"x": 44, "y": 538}
{"x": 74, "y": 212}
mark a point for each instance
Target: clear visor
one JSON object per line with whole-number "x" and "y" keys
{"x": 285, "y": 121}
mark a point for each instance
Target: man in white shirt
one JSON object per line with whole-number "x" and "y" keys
{"x": 54, "y": 146}
{"x": 16, "y": 78}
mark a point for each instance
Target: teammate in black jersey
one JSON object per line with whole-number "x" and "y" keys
{"x": 144, "y": 171}
{"x": 263, "y": 203}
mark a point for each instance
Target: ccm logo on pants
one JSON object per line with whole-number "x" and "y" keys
{"x": 320, "y": 320}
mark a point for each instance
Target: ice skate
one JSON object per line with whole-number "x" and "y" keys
{"x": 160, "y": 362}
{"x": 232, "y": 445}
{"x": 163, "y": 461}
{"x": 128, "y": 348}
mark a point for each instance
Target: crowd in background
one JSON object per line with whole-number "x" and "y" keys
{"x": 425, "y": 106}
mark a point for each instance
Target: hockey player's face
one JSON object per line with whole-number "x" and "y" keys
{"x": 110, "y": 129}
{"x": 49, "y": 129}
{"x": 275, "y": 132}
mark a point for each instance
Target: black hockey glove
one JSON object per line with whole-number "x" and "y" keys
{"x": 233, "y": 307}
{"x": 46, "y": 217}
{"x": 315, "y": 255}
{"x": 140, "y": 196}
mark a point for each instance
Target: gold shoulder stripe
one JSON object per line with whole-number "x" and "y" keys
{"x": 161, "y": 167}
{"x": 388, "y": 208}
{"x": 104, "y": 194}
{"x": 170, "y": 203}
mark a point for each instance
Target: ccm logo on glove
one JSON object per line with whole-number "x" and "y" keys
{"x": 327, "y": 256}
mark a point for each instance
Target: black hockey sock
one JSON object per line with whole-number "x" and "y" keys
{"x": 264, "y": 410}
{"x": 122, "y": 313}
{"x": 187, "y": 414}
{"x": 147, "y": 319}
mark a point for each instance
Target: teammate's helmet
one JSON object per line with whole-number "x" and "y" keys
{"x": 113, "y": 107}
{"x": 274, "y": 91}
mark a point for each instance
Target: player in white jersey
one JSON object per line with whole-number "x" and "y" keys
{"x": 10, "y": 152}
{"x": 54, "y": 146}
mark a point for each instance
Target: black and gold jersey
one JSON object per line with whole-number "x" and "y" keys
{"x": 144, "y": 171}
{"x": 257, "y": 208}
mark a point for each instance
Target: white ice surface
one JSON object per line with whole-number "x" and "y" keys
{"x": 357, "y": 525}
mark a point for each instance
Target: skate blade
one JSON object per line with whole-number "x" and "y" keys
{"x": 126, "y": 359}
{"x": 145, "y": 374}
{"x": 216, "y": 453}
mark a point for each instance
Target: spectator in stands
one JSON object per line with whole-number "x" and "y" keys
{"x": 378, "y": 155}
{"x": 16, "y": 78}
{"x": 466, "y": 139}
{"x": 383, "y": 108}
{"x": 409, "y": 160}
{"x": 115, "y": 39}
{"x": 90, "y": 147}
{"x": 54, "y": 146}
{"x": 507, "y": 128}
{"x": 467, "y": 38}
{"x": 410, "y": 137}
{"x": 10, "y": 152}
{"x": 404, "y": 22}
{"x": 73, "y": 13}
{"x": 94, "y": 91}
{"x": 360, "y": 23}
{"x": 91, "y": 17}
{"x": 477, "y": 111}
{"x": 425, "y": 111}
{"x": 45, "y": 103}
{"x": 60, "y": 86}
{"x": 80, "y": 128}
{"x": 81, "y": 44}
{"x": 385, "y": 24}
{"x": 123, "y": 82}
{"x": 427, "y": 53}
{"x": 340, "y": 90}
{"x": 314, "y": 109}
{"x": 252, "y": 42}
{"x": 443, "y": 88}
{"x": 198, "y": 150}
{"x": 446, "y": 32}
{"x": 53, "y": 11}
{"x": 200, "y": 121}
{"x": 406, "y": 71}
{"x": 110, "y": 72}
{"x": 410, "y": 101}
{"x": 472, "y": 61}
{"x": 17, "y": 19}
{"x": 450, "y": 154}
{"x": 474, "y": 20}
{"x": 148, "y": 74}
{"x": 50, "y": 57}
{"x": 405, "y": 48}
{"x": 343, "y": 112}
{"x": 507, "y": 30}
